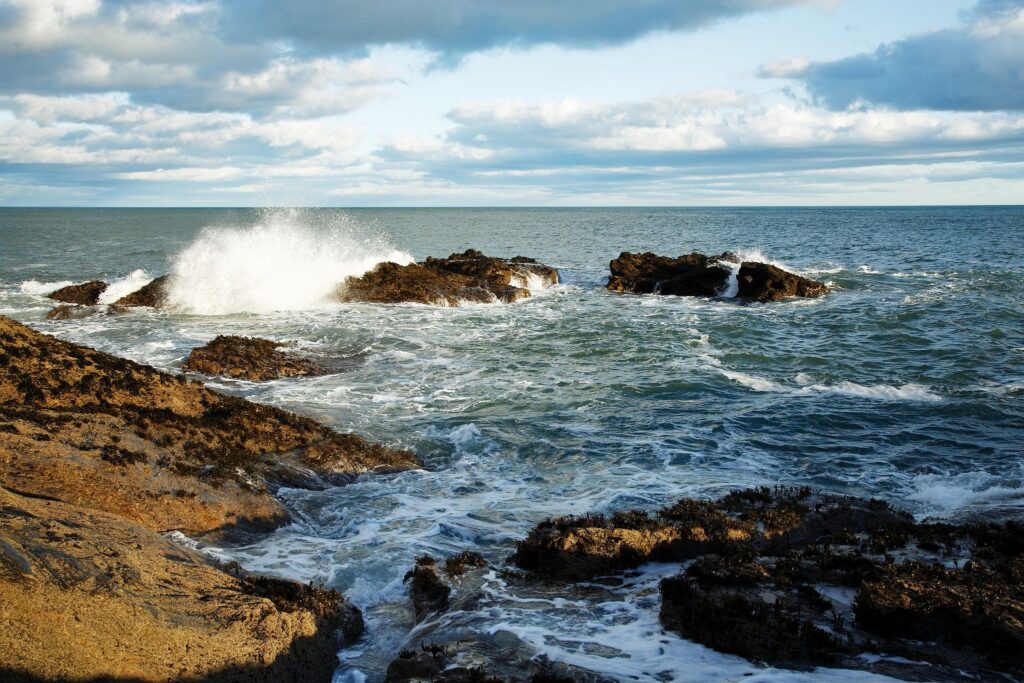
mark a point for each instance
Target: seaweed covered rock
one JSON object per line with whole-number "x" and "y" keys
{"x": 98, "y": 431}
{"x": 467, "y": 277}
{"x": 251, "y": 358}
{"x": 88, "y": 595}
{"x": 84, "y": 294}
{"x": 428, "y": 590}
{"x": 696, "y": 274}
{"x": 792, "y": 578}
{"x": 153, "y": 295}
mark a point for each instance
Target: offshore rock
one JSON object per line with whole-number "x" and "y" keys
{"x": 84, "y": 294}
{"x": 153, "y": 295}
{"x": 467, "y": 277}
{"x": 708, "y": 276}
{"x": 70, "y": 312}
{"x": 102, "y": 432}
{"x": 250, "y": 358}
{"x": 88, "y": 595}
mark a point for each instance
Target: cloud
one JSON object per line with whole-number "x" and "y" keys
{"x": 978, "y": 66}
{"x": 452, "y": 28}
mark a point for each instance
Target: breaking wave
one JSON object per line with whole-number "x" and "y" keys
{"x": 289, "y": 260}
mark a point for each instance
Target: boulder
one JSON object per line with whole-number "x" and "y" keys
{"x": 84, "y": 294}
{"x": 87, "y": 595}
{"x": 460, "y": 278}
{"x": 153, "y": 294}
{"x": 251, "y": 358}
{"x": 70, "y": 312}
{"x": 102, "y": 432}
{"x": 428, "y": 590}
{"x": 698, "y": 275}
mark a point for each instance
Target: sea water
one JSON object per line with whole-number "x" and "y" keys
{"x": 905, "y": 383}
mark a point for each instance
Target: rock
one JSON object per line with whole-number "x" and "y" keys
{"x": 428, "y": 590}
{"x": 87, "y": 595}
{"x": 698, "y": 275}
{"x": 251, "y": 358}
{"x": 153, "y": 295}
{"x": 792, "y": 578}
{"x": 973, "y": 607}
{"x": 84, "y": 294}
{"x": 466, "y": 277}
{"x": 691, "y": 275}
{"x": 458, "y": 565}
{"x": 763, "y": 282}
{"x": 102, "y": 432}
{"x": 66, "y": 312}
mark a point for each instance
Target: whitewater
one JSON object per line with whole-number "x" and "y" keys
{"x": 903, "y": 383}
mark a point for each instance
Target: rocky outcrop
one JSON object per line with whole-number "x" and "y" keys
{"x": 466, "y": 277}
{"x": 708, "y": 276}
{"x": 153, "y": 294}
{"x": 98, "y": 456}
{"x": 87, "y": 595}
{"x": 251, "y": 358}
{"x": 95, "y": 430}
{"x": 84, "y": 294}
{"x": 794, "y": 579}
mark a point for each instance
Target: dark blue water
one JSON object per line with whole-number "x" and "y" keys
{"x": 906, "y": 382}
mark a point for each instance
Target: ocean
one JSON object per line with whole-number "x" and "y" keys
{"x": 905, "y": 383}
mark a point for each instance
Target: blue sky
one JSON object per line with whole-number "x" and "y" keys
{"x": 506, "y": 103}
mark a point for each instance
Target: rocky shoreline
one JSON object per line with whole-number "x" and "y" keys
{"x": 101, "y": 457}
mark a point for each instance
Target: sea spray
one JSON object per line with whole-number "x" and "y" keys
{"x": 290, "y": 259}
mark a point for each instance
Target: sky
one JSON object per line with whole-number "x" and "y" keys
{"x": 511, "y": 102}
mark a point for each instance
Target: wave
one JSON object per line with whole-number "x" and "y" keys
{"x": 291, "y": 259}
{"x": 969, "y": 492}
{"x": 806, "y": 387}
{"x": 134, "y": 281}
{"x": 37, "y": 288}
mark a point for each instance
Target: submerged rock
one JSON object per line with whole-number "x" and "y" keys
{"x": 790, "y": 578}
{"x": 88, "y": 595}
{"x": 70, "y": 312}
{"x": 467, "y": 277}
{"x": 251, "y": 358}
{"x": 708, "y": 276}
{"x": 153, "y": 294}
{"x": 103, "y": 432}
{"x": 84, "y": 294}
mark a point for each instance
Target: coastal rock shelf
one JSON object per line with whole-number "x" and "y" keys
{"x": 250, "y": 358}
{"x": 695, "y": 274}
{"x": 467, "y": 277}
{"x": 98, "y": 457}
{"x": 794, "y": 579}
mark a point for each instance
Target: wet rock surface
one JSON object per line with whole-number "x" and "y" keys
{"x": 88, "y": 595}
{"x": 796, "y": 579}
{"x": 696, "y": 274}
{"x": 103, "y": 432}
{"x": 427, "y": 589}
{"x": 467, "y": 277}
{"x": 250, "y": 358}
{"x": 83, "y": 294}
{"x": 153, "y": 295}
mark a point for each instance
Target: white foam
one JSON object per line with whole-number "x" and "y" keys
{"x": 948, "y": 495}
{"x": 531, "y": 281}
{"x": 291, "y": 259}
{"x": 134, "y": 281}
{"x": 889, "y": 392}
{"x": 38, "y": 288}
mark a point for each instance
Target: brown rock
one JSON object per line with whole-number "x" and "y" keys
{"x": 66, "y": 312}
{"x": 428, "y": 590}
{"x": 85, "y": 595}
{"x": 251, "y": 358}
{"x": 153, "y": 295}
{"x": 84, "y": 294}
{"x": 763, "y": 282}
{"x": 699, "y": 275}
{"x": 972, "y": 607}
{"x": 466, "y": 277}
{"x": 102, "y": 432}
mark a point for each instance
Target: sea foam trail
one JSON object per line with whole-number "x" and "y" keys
{"x": 289, "y": 260}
